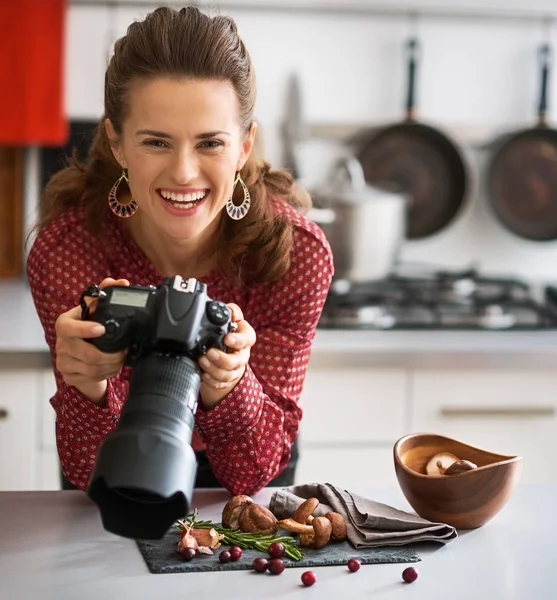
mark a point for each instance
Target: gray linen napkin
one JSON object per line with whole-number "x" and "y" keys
{"x": 369, "y": 524}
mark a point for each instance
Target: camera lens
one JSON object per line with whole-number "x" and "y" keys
{"x": 145, "y": 470}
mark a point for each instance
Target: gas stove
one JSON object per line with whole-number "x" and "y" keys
{"x": 461, "y": 300}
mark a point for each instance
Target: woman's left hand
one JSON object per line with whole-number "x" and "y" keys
{"x": 223, "y": 370}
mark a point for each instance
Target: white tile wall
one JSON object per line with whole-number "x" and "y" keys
{"x": 477, "y": 77}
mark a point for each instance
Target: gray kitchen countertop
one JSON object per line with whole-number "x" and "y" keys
{"x": 21, "y": 332}
{"x": 54, "y": 548}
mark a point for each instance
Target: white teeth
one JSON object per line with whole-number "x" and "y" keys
{"x": 182, "y": 197}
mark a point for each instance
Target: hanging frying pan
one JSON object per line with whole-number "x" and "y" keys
{"x": 522, "y": 175}
{"x": 417, "y": 160}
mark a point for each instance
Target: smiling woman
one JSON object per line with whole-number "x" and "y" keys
{"x": 172, "y": 186}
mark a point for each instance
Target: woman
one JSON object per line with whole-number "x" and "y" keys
{"x": 171, "y": 187}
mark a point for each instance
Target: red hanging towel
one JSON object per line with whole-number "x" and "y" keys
{"x": 32, "y": 108}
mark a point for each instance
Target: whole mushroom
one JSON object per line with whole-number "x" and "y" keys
{"x": 256, "y": 518}
{"x": 232, "y": 510}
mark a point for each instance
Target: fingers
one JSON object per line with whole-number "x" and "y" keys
{"x": 243, "y": 337}
{"x": 109, "y": 281}
{"x": 237, "y": 314}
{"x": 70, "y": 325}
{"x": 79, "y": 362}
{"x": 72, "y": 367}
{"x": 224, "y": 367}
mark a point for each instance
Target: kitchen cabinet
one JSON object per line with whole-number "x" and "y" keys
{"x": 350, "y": 467}
{"x": 506, "y": 412}
{"x": 347, "y": 404}
{"x": 353, "y": 414}
{"x": 352, "y": 417}
{"x": 19, "y": 426}
{"x": 48, "y": 477}
{"x": 28, "y": 455}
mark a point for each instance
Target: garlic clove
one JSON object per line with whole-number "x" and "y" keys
{"x": 189, "y": 541}
{"x": 438, "y": 463}
{"x": 206, "y": 537}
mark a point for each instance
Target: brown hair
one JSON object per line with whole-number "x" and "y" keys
{"x": 186, "y": 43}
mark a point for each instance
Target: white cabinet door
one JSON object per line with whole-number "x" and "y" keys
{"x": 18, "y": 429}
{"x": 349, "y": 468}
{"x": 502, "y": 411}
{"x": 49, "y": 470}
{"x": 353, "y": 404}
{"x": 48, "y": 463}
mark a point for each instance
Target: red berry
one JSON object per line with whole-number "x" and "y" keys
{"x": 354, "y": 565}
{"x": 235, "y": 552}
{"x": 410, "y": 574}
{"x": 187, "y": 553}
{"x": 276, "y": 550}
{"x": 224, "y": 556}
{"x": 309, "y": 578}
{"x": 276, "y": 566}
{"x": 260, "y": 565}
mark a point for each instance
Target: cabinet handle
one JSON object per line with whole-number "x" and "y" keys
{"x": 518, "y": 411}
{"x": 4, "y": 414}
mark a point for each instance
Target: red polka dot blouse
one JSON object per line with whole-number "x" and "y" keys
{"x": 249, "y": 434}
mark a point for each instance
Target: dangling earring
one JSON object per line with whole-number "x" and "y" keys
{"x": 119, "y": 209}
{"x": 238, "y": 212}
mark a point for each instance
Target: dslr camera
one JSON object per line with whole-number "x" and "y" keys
{"x": 144, "y": 474}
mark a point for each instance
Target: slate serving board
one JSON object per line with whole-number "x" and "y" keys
{"x": 161, "y": 556}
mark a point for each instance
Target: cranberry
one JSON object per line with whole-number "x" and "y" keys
{"x": 309, "y": 578}
{"x": 188, "y": 553}
{"x": 276, "y": 566}
{"x": 276, "y": 550}
{"x": 354, "y": 565}
{"x": 235, "y": 552}
{"x": 410, "y": 574}
{"x": 224, "y": 556}
{"x": 260, "y": 565}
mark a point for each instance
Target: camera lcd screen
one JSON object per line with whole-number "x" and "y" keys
{"x": 130, "y": 298}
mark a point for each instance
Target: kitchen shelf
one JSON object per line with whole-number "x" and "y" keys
{"x": 475, "y": 9}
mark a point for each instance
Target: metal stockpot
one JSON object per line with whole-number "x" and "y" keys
{"x": 365, "y": 225}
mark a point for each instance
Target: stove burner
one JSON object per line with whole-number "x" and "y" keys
{"x": 442, "y": 300}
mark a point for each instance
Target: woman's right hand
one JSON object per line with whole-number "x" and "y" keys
{"x": 81, "y": 364}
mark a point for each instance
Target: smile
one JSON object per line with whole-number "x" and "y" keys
{"x": 183, "y": 201}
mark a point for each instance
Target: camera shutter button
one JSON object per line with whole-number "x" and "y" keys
{"x": 217, "y": 312}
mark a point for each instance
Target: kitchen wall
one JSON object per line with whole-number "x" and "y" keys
{"x": 478, "y": 77}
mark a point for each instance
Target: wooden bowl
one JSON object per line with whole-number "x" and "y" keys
{"x": 467, "y": 500}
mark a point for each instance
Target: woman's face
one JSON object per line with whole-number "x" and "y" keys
{"x": 182, "y": 144}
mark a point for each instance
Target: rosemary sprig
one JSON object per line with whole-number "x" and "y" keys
{"x": 255, "y": 541}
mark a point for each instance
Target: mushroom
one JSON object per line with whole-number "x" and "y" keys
{"x": 438, "y": 463}
{"x": 296, "y": 527}
{"x": 232, "y": 510}
{"x": 307, "y": 539}
{"x": 460, "y": 466}
{"x": 315, "y": 535}
{"x": 255, "y": 517}
{"x": 338, "y": 525}
{"x": 305, "y": 510}
{"x": 322, "y": 528}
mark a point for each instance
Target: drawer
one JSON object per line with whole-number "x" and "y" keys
{"x": 504, "y": 412}
{"x": 351, "y": 468}
{"x": 18, "y": 429}
{"x": 353, "y": 405}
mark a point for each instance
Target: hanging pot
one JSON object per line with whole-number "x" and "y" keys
{"x": 420, "y": 161}
{"x": 522, "y": 175}
{"x": 365, "y": 225}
